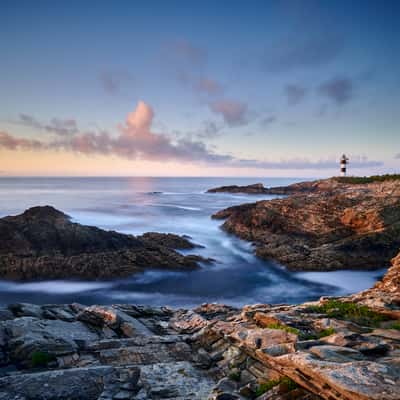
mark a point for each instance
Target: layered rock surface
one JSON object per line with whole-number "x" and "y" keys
{"x": 43, "y": 243}
{"x": 212, "y": 352}
{"x": 332, "y": 349}
{"x": 324, "y": 225}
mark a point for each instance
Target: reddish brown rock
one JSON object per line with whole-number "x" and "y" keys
{"x": 335, "y": 226}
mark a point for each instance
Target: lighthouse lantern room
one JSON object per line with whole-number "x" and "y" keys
{"x": 343, "y": 163}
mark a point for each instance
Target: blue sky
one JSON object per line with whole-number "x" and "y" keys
{"x": 212, "y": 87}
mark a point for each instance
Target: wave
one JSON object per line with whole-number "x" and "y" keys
{"x": 54, "y": 287}
{"x": 176, "y": 206}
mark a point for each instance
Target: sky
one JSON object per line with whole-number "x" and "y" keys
{"x": 199, "y": 88}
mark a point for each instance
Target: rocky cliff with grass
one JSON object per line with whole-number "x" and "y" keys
{"x": 337, "y": 223}
{"x": 332, "y": 349}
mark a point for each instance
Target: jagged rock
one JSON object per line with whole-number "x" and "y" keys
{"x": 42, "y": 243}
{"x": 337, "y": 226}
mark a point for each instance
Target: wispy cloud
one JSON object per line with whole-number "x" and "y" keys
{"x": 186, "y": 52}
{"x": 113, "y": 81}
{"x": 294, "y": 94}
{"x": 59, "y": 126}
{"x": 267, "y": 121}
{"x": 339, "y": 90}
{"x": 10, "y": 142}
{"x": 234, "y": 113}
{"x": 304, "y": 163}
{"x": 295, "y": 53}
{"x": 191, "y": 63}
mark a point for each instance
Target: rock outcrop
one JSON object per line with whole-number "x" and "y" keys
{"x": 311, "y": 351}
{"x": 331, "y": 226}
{"x": 43, "y": 243}
{"x": 257, "y": 188}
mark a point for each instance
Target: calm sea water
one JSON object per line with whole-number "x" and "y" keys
{"x": 178, "y": 205}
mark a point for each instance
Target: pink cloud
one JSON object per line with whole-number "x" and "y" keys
{"x": 12, "y": 143}
{"x": 233, "y": 112}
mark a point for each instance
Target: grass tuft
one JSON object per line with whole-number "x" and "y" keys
{"x": 395, "y": 325}
{"x": 359, "y": 314}
{"x": 287, "y": 383}
{"x": 325, "y": 332}
{"x": 282, "y": 327}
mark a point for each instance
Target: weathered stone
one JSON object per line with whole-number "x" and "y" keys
{"x": 336, "y": 353}
{"x": 70, "y": 384}
{"x": 28, "y": 335}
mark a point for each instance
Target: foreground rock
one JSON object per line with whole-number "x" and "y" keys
{"x": 42, "y": 243}
{"x": 332, "y": 349}
{"x": 324, "y": 225}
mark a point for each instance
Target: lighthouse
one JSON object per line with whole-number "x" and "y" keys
{"x": 343, "y": 162}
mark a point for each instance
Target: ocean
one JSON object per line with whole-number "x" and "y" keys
{"x": 177, "y": 205}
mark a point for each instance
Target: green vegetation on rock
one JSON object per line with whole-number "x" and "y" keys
{"x": 325, "y": 332}
{"x": 395, "y": 325}
{"x": 367, "y": 179}
{"x": 359, "y": 314}
{"x": 276, "y": 325}
{"x": 41, "y": 359}
{"x": 287, "y": 385}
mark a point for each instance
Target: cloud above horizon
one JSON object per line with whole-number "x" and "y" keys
{"x": 294, "y": 94}
{"x": 339, "y": 90}
{"x": 59, "y": 126}
{"x": 137, "y": 141}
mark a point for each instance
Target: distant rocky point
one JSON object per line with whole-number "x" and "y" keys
{"x": 323, "y": 225}
{"x": 257, "y": 188}
{"x": 321, "y": 185}
{"x": 43, "y": 243}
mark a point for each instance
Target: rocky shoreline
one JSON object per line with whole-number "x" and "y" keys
{"x": 332, "y": 349}
{"x": 43, "y": 243}
{"x": 322, "y": 225}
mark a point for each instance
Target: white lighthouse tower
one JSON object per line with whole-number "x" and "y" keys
{"x": 343, "y": 163}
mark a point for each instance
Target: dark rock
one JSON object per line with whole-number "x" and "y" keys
{"x": 42, "y": 243}
{"x": 257, "y": 188}
{"x": 169, "y": 240}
